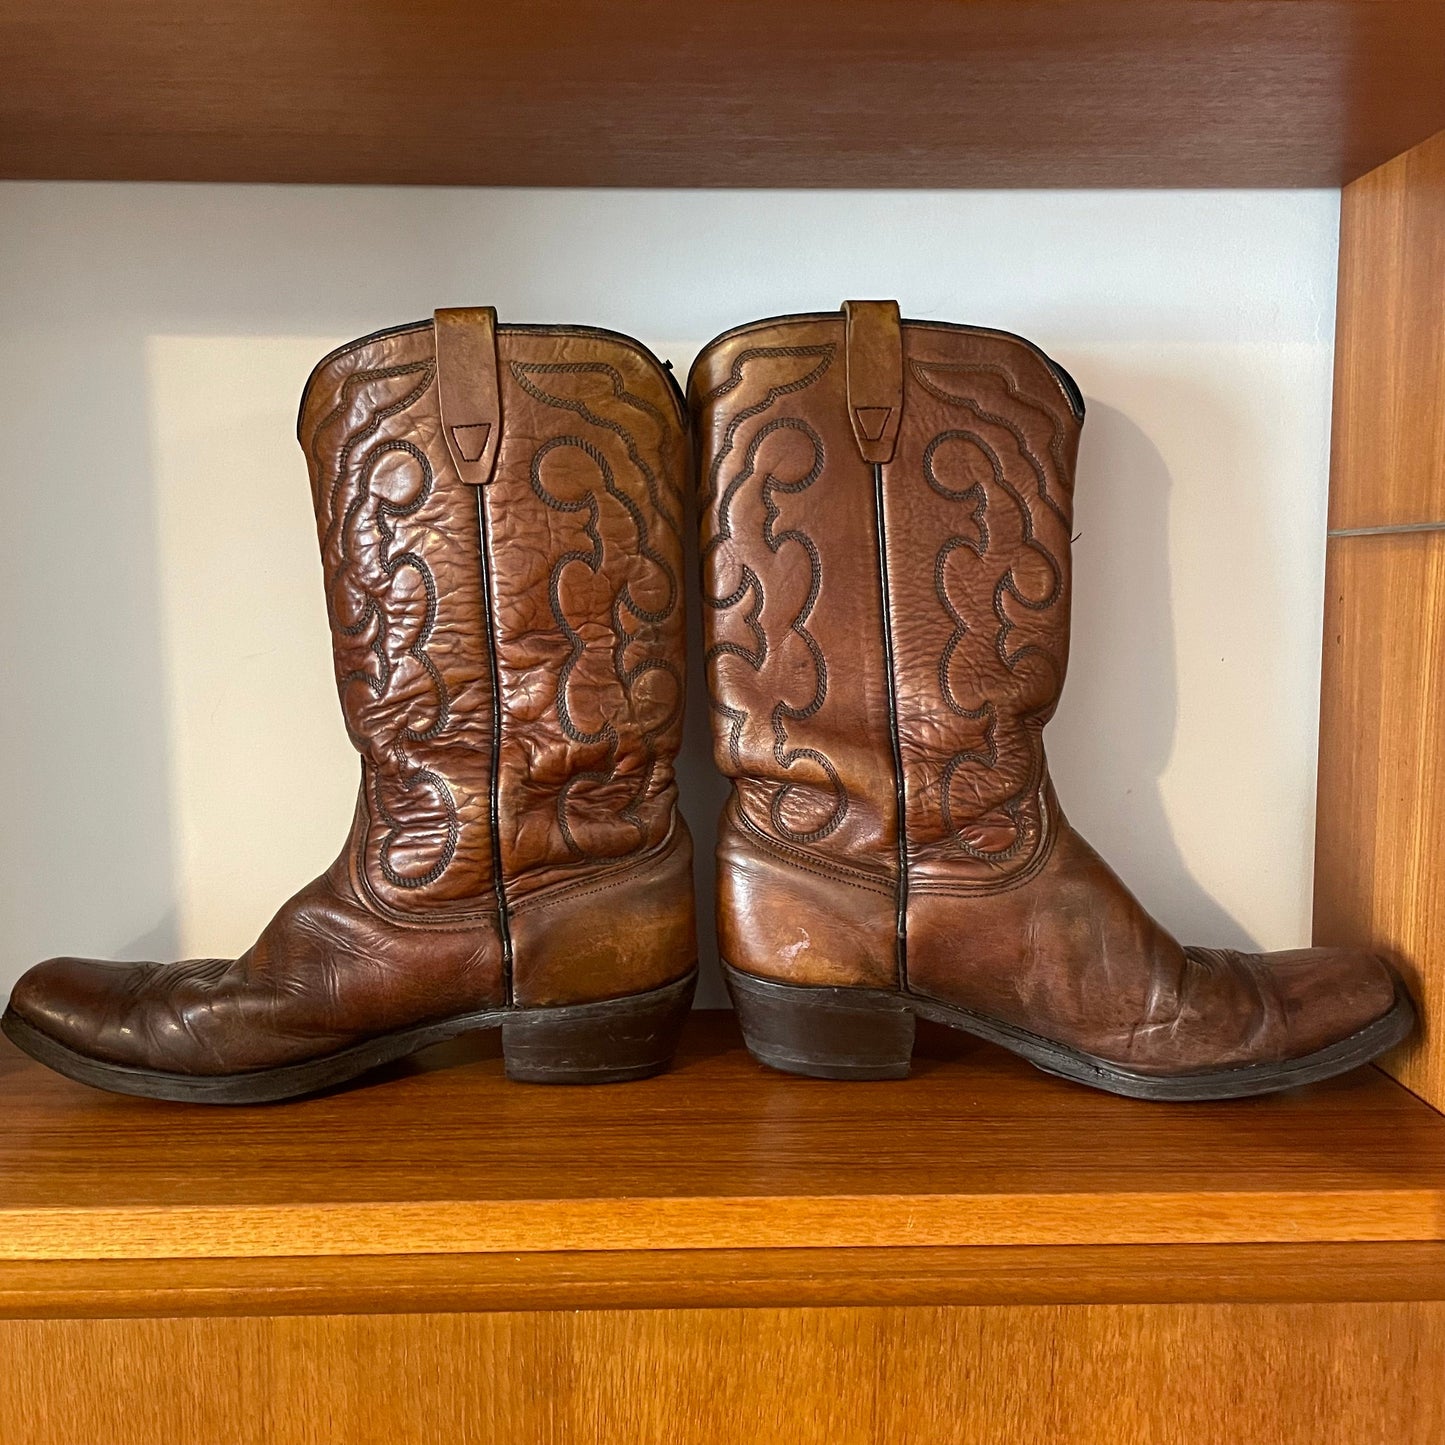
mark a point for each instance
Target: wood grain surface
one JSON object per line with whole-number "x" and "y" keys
{"x": 696, "y": 1278}
{"x": 1067, "y": 1375}
{"x": 1380, "y": 842}
{"x": 1389, "y": 430}
{"x": 655, "y": 93}
{"x": 1379, "y": 879}
{"x": 446, "y": 1156}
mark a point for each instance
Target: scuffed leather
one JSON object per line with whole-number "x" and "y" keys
{"x": 628, "y": 928}
{"x": 1005, "y": 910}
{"x": 1072, "y": 956}
{"x": 326, "y": 972}
{"x": 578, "y": 847}
{"x": 770, "y": 921}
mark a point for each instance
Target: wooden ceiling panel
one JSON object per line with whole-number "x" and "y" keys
{"x": 836, "y": 93}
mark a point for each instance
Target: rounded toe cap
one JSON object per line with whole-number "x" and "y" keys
{"x": 75, "y": 1002}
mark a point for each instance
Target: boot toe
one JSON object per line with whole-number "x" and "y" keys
{"x": 1328, "y": 994}
{"x": 78, "y": 1003}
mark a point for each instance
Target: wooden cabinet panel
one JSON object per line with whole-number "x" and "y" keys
{"x": 1380, "y": 858}
{"x": 1389, "y": 440}
{"x": 1365, "y": 1374}
{"x": 1380, "y": 842}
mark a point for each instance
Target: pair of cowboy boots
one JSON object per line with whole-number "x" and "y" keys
{"x": 885, "y": 522}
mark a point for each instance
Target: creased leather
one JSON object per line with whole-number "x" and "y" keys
{"x": 585, "y": 526}
{"x": 1006, "y": 911}
{"x": 977, "y": 509}
{"x": 791, "y": 594}
{"x": 399, "y": 547}
{"x": 557, "y": 574}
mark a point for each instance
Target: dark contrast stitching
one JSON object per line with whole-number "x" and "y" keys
{"x": 1007, "y": 586}
{"x": 522, "y": 373}
{"x": 808, "y": 862}
{"x": 751, "y": 586}
{"x": 624, "y": 604}
{"x": 782, "y": 711}
{"x": 1056, "y": 440}
{"x": 374, "y": 616}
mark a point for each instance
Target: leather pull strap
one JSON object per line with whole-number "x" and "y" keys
{"x": 875, "y": 376}
{"x": 467, "y": 385}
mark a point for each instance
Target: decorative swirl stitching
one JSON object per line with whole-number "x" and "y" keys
{"x": 978, "y": 545}
{"x": 750, "y": 583}
{"x": 734, "y": 379}
{"x": 624, "y": 603}
{"x": 786, "y": 757}
{"x": 354, "y": 383}
{"x": 1056, "y": 440}
{"x": 522, "y": 373}
{"x": 1007, "y": 586}
{"x": 390, "y": 566}
{"x": 344, "y": 578}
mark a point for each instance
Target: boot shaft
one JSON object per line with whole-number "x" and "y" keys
{"x": 885, "y": 523}
{"x": 499, "y": 511}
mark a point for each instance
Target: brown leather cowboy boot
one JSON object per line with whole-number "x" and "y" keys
{"x": 885, "y": 551}
{"x": 500, "y": 517}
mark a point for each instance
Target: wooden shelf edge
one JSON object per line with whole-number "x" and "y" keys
{"x": 712, "y": 1222}
{"x": 693, "y": 1279}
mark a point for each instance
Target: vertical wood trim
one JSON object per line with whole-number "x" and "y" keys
{"x": 1389, "y": 434}
{"x": 1381, "y": 822}
{"x": 1380, "y": 832}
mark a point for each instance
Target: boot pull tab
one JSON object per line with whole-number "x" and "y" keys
{"x": 469, "y": 392}
{"x": 874, "y": 347}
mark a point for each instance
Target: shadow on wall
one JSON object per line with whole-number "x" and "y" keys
{"x": 159, "y": 942}
{"x": 1112, "y": 738}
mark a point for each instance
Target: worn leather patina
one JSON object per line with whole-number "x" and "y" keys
{"x": 500, "y": 517}
{"x": 886, "y": 513}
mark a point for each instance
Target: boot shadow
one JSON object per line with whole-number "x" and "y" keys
{"x": 1112, "y": 739}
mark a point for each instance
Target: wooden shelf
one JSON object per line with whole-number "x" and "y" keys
{"x": 445, "y": 1157}
{"x": 723, "y": 1253}
{"x": 656, "y": 93}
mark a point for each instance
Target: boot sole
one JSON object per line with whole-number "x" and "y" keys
{"x": 607, "y": 1042}
{"x": 867, "y": 1033}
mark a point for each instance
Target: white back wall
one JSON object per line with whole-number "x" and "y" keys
{"x": 175, "y": 763}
